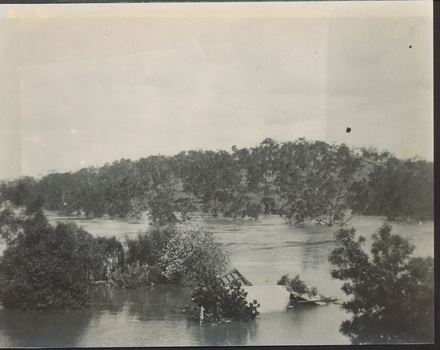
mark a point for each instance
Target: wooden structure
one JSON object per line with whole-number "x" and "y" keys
{"x": 234, "y": 275}
{"x": 299, "y": 299}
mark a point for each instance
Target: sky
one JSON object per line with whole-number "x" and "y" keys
{"x": 83, "y": 85}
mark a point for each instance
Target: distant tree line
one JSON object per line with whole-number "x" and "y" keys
{"x": 299, "y": 180}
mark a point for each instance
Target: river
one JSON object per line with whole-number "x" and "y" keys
{"x": 262, "y": 250}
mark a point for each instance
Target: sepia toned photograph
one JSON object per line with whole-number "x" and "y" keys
{"x": 216, "y": 174}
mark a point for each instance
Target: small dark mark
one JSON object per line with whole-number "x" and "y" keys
{"x": 410, "y": 46}
{"x": 348, "y": 130}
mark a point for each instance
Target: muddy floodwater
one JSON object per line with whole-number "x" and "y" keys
{"x": 262, "y": 250}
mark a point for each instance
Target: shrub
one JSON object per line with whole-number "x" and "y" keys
{"x": 136, "y": 275}
{"x": 192, "y": 257}
{"x": 132, "y": 277}
{"x": 297, "y": 285}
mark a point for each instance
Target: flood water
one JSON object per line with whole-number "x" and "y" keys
{"x": 262, "y": 251}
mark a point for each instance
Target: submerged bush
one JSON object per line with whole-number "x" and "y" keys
{"x": 221, "y": 302}
{"x": 192, "y": 257}
{"x": 297, "y": 285}
{"x": 137, "y": 276}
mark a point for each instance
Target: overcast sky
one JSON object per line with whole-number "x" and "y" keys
{"x": 83, "y": 85}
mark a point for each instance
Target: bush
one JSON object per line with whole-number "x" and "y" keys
{"x": 193, "y": 257}
{"x": 297, "y": 285}
{"x": 221, "y": 302}
{"x": 134, "y": 276}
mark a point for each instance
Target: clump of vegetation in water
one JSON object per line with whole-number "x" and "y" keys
{"x": 221, "y": 303}
{"x": 47, "y": 267}
{"x": 192, "y": 256}
{"x": 392, "y": 292}
{"x": 297, "y": 285}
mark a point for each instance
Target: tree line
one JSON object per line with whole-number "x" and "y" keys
{"x": 299, "y": 180}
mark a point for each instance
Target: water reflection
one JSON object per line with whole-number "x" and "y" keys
{"x": 233, "y": 333}
{"x": 146, "y": 303}
{"x": 43, "y": 329}
{"x": 106, "y": 298}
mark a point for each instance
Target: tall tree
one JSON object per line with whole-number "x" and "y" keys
{"x": 392, "y": 292}
{"x": 46, "y": 268}
{"x": 315, "y": 180}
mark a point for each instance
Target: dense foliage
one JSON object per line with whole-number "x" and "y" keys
{"x": 46, "y": 267}
{"x": 392, "y": 292}
{"x": 148, "y": 247}
{"x": 135, "y": 275}
{"x": 11, "y": 222}
{"x": 300, "y": 180}
{"x": 221, "y": 302}
{"x": 192, "y": 257}
{"x": 399, "y": 190}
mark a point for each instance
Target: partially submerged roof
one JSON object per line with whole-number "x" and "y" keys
{"x": 270, "y": 298}
{"x": 234, "y": 275}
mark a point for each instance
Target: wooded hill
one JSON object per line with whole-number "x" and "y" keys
{"x": 299, "y": 180}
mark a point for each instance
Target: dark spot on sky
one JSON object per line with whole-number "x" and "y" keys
{"x": 410, "y": 46}
{"x": 348, "y": 130}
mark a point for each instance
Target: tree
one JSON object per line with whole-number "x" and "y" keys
{"x": 392, "y": 292}
{"x": 399, "y": 190}
{"x": 109, "y": 255}
{"x": 46, "y": 267}
{"x": 11, "y": 222}
{"x": 19, "y": 191}
{"x": 165, "y": 209}
{"x": 315, "y": 181}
